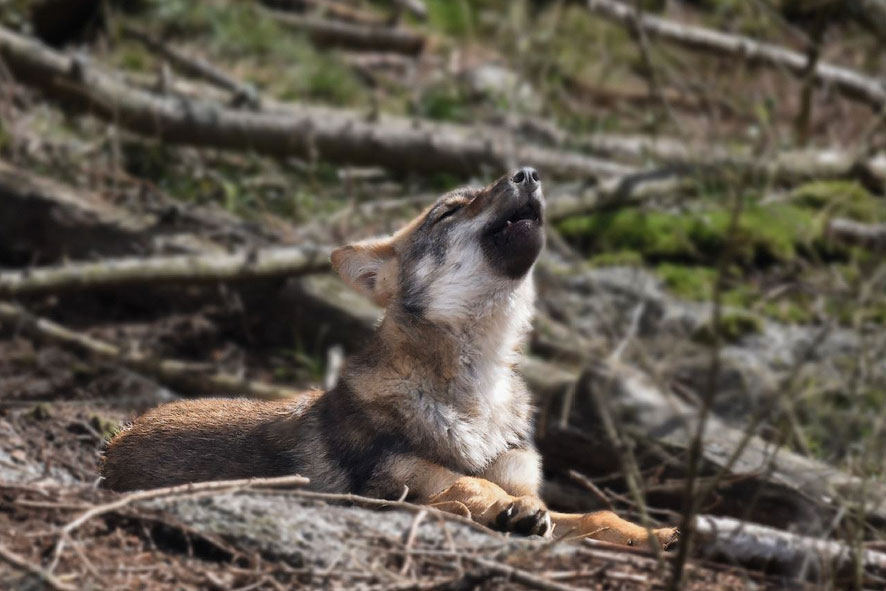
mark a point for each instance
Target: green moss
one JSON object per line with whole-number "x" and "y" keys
{"x": 618, "y": 258}
{"x": 453, "y": 17}
{"x": 691, "y": 283}
{"x": 764, "y": 234}
{"x": 841, "y": 198}
{"x": 444, "y": 102}
{"x": 734, "y": 326}
{"x": 280, "y": 61}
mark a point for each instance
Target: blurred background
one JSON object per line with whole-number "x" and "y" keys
{"x": 709, "y": 349}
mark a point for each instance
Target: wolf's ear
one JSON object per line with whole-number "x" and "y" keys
{"x": 369, "y": 267}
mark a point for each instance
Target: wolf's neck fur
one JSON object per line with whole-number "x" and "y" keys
{"x": 467, "y": 353}
{"x": 453, "y": 386}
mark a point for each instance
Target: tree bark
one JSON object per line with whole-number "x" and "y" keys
{"x": 848, "y": 82}
{"x": 305, "y": 132}
{"x": 216, "y": 267}
{"x": 870, "y": 236}
{"x": 197, "y": 67}
{"x": 776, "y": 551}
{"x": 354, "y": 36}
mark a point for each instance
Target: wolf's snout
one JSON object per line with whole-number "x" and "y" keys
{"x": 526, "y": 178}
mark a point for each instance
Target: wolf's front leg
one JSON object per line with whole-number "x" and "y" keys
{"x": 518, "y": 472}
{"x": 609, "y": 527}
{"x": 483, "y": 501}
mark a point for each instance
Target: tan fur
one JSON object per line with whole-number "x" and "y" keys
{"x": 432, "y": 406}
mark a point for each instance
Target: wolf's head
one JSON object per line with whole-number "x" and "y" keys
{"x": 471, "y": 248}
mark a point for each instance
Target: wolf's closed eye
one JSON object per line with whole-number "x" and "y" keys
{"x": 447, "y": 213}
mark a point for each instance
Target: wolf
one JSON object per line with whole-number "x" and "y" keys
{"x": 432, "y": 405}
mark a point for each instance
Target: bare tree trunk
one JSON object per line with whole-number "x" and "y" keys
{"x": 871, "y": 236}
{"x": 197, "y": 67}
{"x": 772, "y": 550}
{"x": 265, "y": 263}
{"x": 850, "y": 83}
{"x": 352, "y": 35}
{"x": 310, "y": 133}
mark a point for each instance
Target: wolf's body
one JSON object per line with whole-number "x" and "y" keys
{"x": 432, "y": 405}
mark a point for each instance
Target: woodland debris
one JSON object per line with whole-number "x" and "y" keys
{"x": 758, "y": 546}
{"x": 848, "y": 82}
{"x": 306, "y": 132}
{"x": 334, "y": 9}
{"x": 287, "y": 261}
{"x": 870, "y": 236}
{"x": 19, "y": 562}
{"x": 197, "y": 67}
{"x": 34, "y": 208}
{"x": 353, "y": 36}
{"x": 197, "y": 378}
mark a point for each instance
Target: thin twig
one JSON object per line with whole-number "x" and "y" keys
{"x": 44, "y": 575}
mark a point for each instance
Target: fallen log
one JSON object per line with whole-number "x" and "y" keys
{"x": 329, "y": 8}
{"x": 619, "y": 191}
{"x": 197, "y": 67}
{"x": 771, "y": 550}
{"x": 353, "y": 36}
{"x": 215, "y": 267}
{"x": 848, "y": 82}
{"x": 305, "y": 132}
{"x": 199, "y": 379}
{"x": 870, "y": 236}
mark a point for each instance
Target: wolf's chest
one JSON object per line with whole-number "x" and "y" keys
{"x": 468, "y": 434}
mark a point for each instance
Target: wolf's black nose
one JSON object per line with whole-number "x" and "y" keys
{"x": 526, "y": 178}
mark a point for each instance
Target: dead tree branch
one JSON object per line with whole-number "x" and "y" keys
{"x": 330, "y": 8}
{"x": 197, "y": 378}
{"x": 354, "y": 36}
{"x": 850, "y": 83}
{"x": 311, "y": 133}
{"x": 197, "y": 67}
{"x": 870, "y": 236}
{"x": 21, "y": 563}
{"x": 263, "y": 263}
{"x": 752, "y": 545}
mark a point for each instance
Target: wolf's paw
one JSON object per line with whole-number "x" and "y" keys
{"x": 523, "y": 515}
{"x": 667, "y": 536}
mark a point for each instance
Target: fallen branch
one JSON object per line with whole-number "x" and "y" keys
{"x": 312, "y": 133}
{"x": 850, "y": 83}
{"x": 521, "y": 576}
{"x": 197, "y": 67}
{"x": 751, "y": 545}
{"x": 197, "y": 378}
{"x": 870, "y": 236}
{"x": 21, "y": 563}
{"x": 352, "y": 36}
{"x": 329, "y": 8}
{"x": 265, "y": 263}
{"x": 619, "y": 191}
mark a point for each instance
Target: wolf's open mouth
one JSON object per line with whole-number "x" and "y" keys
{"x": 530, "y": 213}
